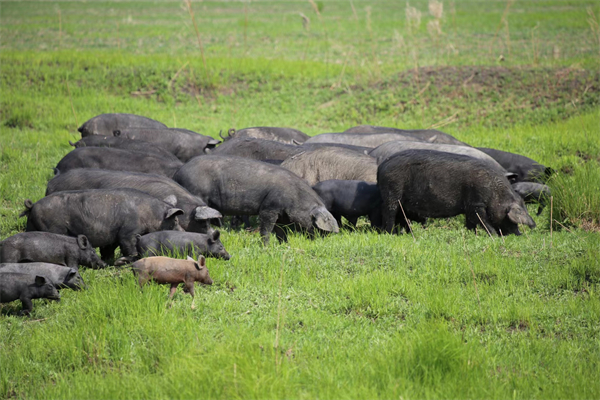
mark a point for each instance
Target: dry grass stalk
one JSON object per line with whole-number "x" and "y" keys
{"x": 188, "y": 4}
{"x": 468, "y": 257}
{"x": 59, "y": 27}
{"x": 436, "y": 9}
{"x": 445, "y": 121}
{"x": 71, "y": 101}
{"x": 305, "y": 22}
{"x": 504, "y": 18}
{"x": 594, "y": 26}
{"x": 407, "y": 221}
{"x": 353, "y": 11}
{"x": 551, "y": 211}
{"x": 534, "y": 44}
{"x": 276, "y": 345}
{"x": 245, "y": 26}
{"x": 413, "y": 18}
{"x": 486, "y": 229}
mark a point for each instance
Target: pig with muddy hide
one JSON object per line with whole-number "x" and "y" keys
{"x": 25, "y": 287}
{"x": 283, "y": 135}
{"x": 105, "y": 124}
{"x": 188, "y": 243}
{"x": 49, "y": 248}
{"x": 124, "y": 144}
{"x": 172, "y": 271}
{"x": 239, "y": 186}
{"x": 196, "y": 216}
{"x": 108, "y": 217}
{"x": 182, "y": 143}
{"x": 327, "y": 163}
{"x": 431, "y": 184}
{"x": 117, "y": 160}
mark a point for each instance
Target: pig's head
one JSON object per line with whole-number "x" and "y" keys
{"x": 170, "y": 221}
{"x": 323, "y": 220}
{"x": 201, "y": 272}
{"x": 77, "y": 144}
{"x": 215, "y": 247}
{"x": 73, "y": 280}
{"x": 87, "y": 254}
{"x": 45, "y": 288}
{"x": 516, "y": 214}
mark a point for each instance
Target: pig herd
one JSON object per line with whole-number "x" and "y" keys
{"x": 131, "y": 182}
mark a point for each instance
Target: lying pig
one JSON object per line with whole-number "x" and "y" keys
{"x": 105, "y": 124}
{"x": 24, "y": 287}
{"x": 50, "y": 248}
{"x": 189, "y": 243}
{"x": 124, "y": 144}
{"x": 165, "y": 270}
{"x": 61, "y": 276}
{"x": 351, "y": 199}
{"x": 533, "y": 192}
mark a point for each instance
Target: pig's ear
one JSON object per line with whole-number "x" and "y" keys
{"x": 216, "y": 235}
{"x": 325, "y": 222}
{"x": 71, "y": 274}
{"x": 519, "y": 216}
{"x": 40, "y": 280}
{"x": 116, "y": 133}
{"x": 511, "y": 176}
{"x": 83, "y": 242}
{"x": 212, "y": 143}
{"x": 171, "y": 200}
{"x": 204, "y": 212}
{"x": 190, "y": 259}
{"x": 201, "y": 262}
{"x": 172, "y": 212}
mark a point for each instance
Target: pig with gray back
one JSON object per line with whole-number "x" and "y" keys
{"x": 196, "y": 216}
{"x": 351, "y": 199}
{"x": 50, "y": 248}
{"x": 533, "y": 192}
{"x": 332, "y": 163}
{"x": 359, "y": 139}
{"x": 61, "y": 276}
{"x": 124, "y": 144}
{"x": 239, "y": 186}
{"x": 118, "y": 160}
{"x": 172, "y": 271}
{"x": 157, "y": 243}
{"x": 105, "y": 124}
{"x": 183, "y": 143}
{"x": 527, "y": 170}
{"x": 108, "y": 217}
{"x": 440, "y": 185}
{"x": 25, "y": 287}
{"x": 283, "y": 135}
{"x": 256, "y": 149}
{"x": 429, "y": 135}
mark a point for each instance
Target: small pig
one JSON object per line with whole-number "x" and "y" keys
{"x": 24, "y": 287}
{"x": 189, "y": 243}
{"x": 165, "y": 270}
{"x": 63, "y": 277}
{"x": 532, "y": 192}
{"x": 351, "y": 199}
{"x": 50, "y": 248}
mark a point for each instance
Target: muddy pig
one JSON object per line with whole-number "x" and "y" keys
{"x": 189, "y": 243}
{"x": 172, "y": 271}
{"x": 24, "y": 287}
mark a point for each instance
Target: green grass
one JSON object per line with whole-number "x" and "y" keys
{"x": 451, "y": 314}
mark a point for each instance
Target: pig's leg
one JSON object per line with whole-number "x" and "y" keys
{"x": 189, "y": 287}
{"x": 478, "y": 215}
{"x": 27, "y": 305}
{"x": 389, "y": 213}
{"x": 267, "y": 223}
{"x": 128, "y": 242}
{"x": 173, "y": 290}
{"x": 352, "y": 221}
{"x": 280, "y": 233}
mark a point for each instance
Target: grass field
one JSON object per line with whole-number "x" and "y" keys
{"x": 448, "y": 314}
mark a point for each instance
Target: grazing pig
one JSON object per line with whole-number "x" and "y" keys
{"x": 429, "y": 135}
{"x": 439, "y": 185}
{"x": 196, "y": 215}
{"x": 156, "y": 243}
{"x": 332, "y": 163}
{"x": 50, "y": 248}
{"x": 387, "y": 150}
{"x": 358, "y": 139}
{"x": 25, "y": 287}
{"x": 256, "y": 149}
{"x": 351, "y": 199}
{"x": 118, "y": 160}
{"x": 124, "y": 144}
{"x": 61, "y": 276}
{"x": 283, "y": 135}
{"x": 105, "y": 124}
{"x": 108, "y": 217}
{"x": 532, "y": 192}
{"x": 527, "y": 170}
{"x": 239, "y": 186}
{"x": 184, "y": 144}
{"x": 165, "y": 270}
